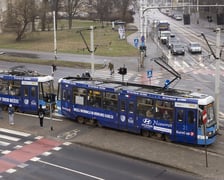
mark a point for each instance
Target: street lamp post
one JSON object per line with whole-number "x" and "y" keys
{"x": 55, "y": 36}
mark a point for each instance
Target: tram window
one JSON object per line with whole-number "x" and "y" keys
{"x": 123, "y": 106}
{"x": 180, "y": 116}
{"x": 33, "y": 91}
{"x": 131, "y": 107}
{"x": 145, "y": 107}
{"x": 59, "y": 92}
{"x": 47, "y": 87}
{"x": 110, "y": 101}
{"x": 4, "y": 87}
{"x": 26, "y": 91}
{"x": 64, "y": 95}
{"x": 95, "y": 98}
{"x": 190, "y": 117}
{"x": 79, "y": 95}
{"x": 164, "y": 110}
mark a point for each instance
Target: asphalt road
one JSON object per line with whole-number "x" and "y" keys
{"x": 78, "y": 162}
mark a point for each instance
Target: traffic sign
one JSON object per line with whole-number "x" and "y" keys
{"x": 167, "y": 82}
{"x": 149, "y": 73}
{"x": 204, "y": 116}
{"x": 136, "y": 42}
{"x": 143, "y": 38}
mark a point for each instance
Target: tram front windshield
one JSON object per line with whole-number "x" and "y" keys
{"x": 45, "y": 88}
{"x": 210, "y": 114}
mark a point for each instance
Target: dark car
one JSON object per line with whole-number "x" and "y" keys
{"x": 177, "y": 49}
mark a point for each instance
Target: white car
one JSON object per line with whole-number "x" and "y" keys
{"x": 194, "y": 47}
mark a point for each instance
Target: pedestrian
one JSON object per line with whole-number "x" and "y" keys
{"x": 11, "y": 111}
{"x": 111, "y": 68}
{"x": 41, "y": 114}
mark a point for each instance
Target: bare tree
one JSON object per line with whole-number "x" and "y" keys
{"x": 104, "y": 9}
{"x": 43, "y": 13}
{"x": 21, "y": 14}
{"x": 72, "y": 8}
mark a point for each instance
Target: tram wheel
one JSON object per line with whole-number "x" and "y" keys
{"x": 167, "y": 138}
{"x": 92, "y": 122}
{"x": 80, "y": 120}
{"x": 99, "y": 125}
{"x": 145, "y": 133}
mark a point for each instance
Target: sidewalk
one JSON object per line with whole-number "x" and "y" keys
{"x": 186, "y": 158}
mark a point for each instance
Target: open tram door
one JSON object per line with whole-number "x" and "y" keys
{"x": 185, "y": 128}
{"x": 126, "y": 115}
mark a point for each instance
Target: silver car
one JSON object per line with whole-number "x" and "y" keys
{"x": 177, "y": 49}
{"x": 194, "y": 47}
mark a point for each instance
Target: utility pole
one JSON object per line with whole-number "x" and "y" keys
{"x": 141, "y": 18}
{"x": 217, "y": 75}
{"x": 54, "y": 27}
{"x": 92, "y": 50}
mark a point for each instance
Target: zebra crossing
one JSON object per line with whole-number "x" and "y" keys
{"x": 17, "y": 148}
{"x": 182, "y": 67}
{"x": 11, "y": 137}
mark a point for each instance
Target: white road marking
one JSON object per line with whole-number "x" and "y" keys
{"x": 71, "y": 170}
{"x": 11, "y": 171}
{"x": 2, "y": 143}
{"x": 14, "y": 132}
{"x": 9, "y": 138}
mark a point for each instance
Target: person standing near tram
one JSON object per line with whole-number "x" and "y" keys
{"x": 41, "y": 114}
{"x": 11, "y": 111}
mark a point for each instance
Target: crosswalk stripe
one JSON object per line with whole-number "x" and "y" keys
{"x": 2, "y": 143}
{"x": 9, "y": 138}
{"x": 14, "y": 132}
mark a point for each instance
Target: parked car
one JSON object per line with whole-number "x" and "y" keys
{"x": 177, "y": 49}
{"x": 194, "y": 47}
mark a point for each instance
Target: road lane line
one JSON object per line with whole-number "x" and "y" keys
{"x": 71, "y": 170}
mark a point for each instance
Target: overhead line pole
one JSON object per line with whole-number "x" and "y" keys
{"x": 216, "y": 56}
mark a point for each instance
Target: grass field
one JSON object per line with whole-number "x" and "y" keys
{"x": 69, "y": 41}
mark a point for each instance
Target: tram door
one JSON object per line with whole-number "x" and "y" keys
{"x": 29, "y": 98}
{"x": 127, "y": 117}
{"x": 185, "y": 125}
{"x": 66, "y": 106}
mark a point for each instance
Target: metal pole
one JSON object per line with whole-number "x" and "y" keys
{"x": 55, "y": 38}
{"x": 141, "y": 18}
{"x": 206, "y": 150}
{"x": 92, "y": 50}
{"x": 217, "y": 76}
{"x": 51, "y": 120}
{"x": 197, "y": 13}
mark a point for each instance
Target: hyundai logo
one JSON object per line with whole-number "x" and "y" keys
{"x": 147, "y": 121}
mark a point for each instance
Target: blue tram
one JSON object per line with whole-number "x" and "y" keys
{"x": 25, "y": 89}
{"x": 171, "y": 114}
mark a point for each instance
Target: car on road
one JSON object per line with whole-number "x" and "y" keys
{"x": 177, "y": 49}
{"x": 194, "y": 47}
{"x": 171, "y": 40}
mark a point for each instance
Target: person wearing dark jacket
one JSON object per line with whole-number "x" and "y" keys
{"x": 41, "y": 114}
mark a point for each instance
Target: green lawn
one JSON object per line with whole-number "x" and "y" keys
{"x": 69, "y": 41}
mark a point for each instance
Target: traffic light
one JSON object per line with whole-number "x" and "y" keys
{"x": 209, "y": 19}
{"x": 122, "y": 70}
{"x": 142, "y": 48}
